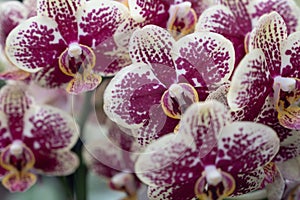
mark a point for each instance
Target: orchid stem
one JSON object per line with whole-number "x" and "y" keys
{"x": 80, "y": 175}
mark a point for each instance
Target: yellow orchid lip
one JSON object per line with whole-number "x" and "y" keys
{"x": 78, "y": 61}
{"x": 223, "y": 183}
{"x": 177, "y": 98}
{"x": 182, "y": 20}
{"x": 18, "y": 159}
{"x": 286, "y": 100}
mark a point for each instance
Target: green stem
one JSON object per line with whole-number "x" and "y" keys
{"x": 66, "y": 186}
{"x": 80, "y": 175}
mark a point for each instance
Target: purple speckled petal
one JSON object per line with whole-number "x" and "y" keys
{"x": 171, "y": 153}
{"x": 127, "y": 100}
{"x": 152, "y": 45}
{"x": 5, "y": 136}
{"x": 51, "y": 77}
{"x": 97, "y": 21}
{"x": 35, "y": 44}
{"x": 15, "y": 103}
{"x": 289, "y": 147}
{"x": 290, "y": 56}
{"x": 220, "y": 19}
{"x": 267, "y": 36}
{"x": 288, "y": 10}
{"x": 240, "y": 12}
{"x": 56, "y": 163}
{"x": 12, "y": 13}
{"x": 64, "y": 13}
{"x": 289, "y": 139}
{"x": 251, "y": 84}
{"x": 49, "y": 129}
{"x": 246, "y": 146}
{"x": 155, "y": 126}
{"x": 144, "y": 10}
{"x": 182, "y": 191}
{"x": 204, "y": 122}
{"x": 204, "y": 59}
{"x": 110, "y": 58}
{"x": 249, "y": 182}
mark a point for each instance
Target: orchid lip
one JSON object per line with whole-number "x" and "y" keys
{"x": 213, "y": 175}
{"x": 74, "y": 50}
{"x": 286, "y": 84}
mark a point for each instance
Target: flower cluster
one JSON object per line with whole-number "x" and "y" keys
{"x": 199, "y": 98}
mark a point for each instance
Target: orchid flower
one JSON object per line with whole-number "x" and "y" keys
{"x": 270, "y": 69}
{"x": 68, "y": 42}
{"x": 166, "y": 76}
{"x": 34, "y": 140}
{"x": 236, "y": 19}
{"x": 113, "y": 156}
{"x": 12, "y": 13}
{"x": 209, "y": 158}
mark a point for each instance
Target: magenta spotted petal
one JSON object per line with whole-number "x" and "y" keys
{"x": 268, "y": 36}
{"x": 49, "y": 129}
{"x": 134, "y": 81}
{"x": 14, "y": 105}
{"x": 289, "y": 139}
{"x": 56, "y": 163}
{"x": 220, "y": 19}
{"x": 204, "y": 122}
{"x": 204, "y": 59}
{"x": 64, "y": 13}
{"x": 36, "y": 33}
{"x": 250, "y": 83}
{"x": 249, "y": 181}
{"x": 152, "y": 45}
{"x": 287, "y": 9}
{"x": 290, "y": 54}
{"x": 97, "y": 21}
{"x": 246, "y": 146}
{"x": 182, "y": 191}
{"x": 171, "y": 153}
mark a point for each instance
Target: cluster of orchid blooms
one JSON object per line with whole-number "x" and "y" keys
{"x": 203, "y": 102}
